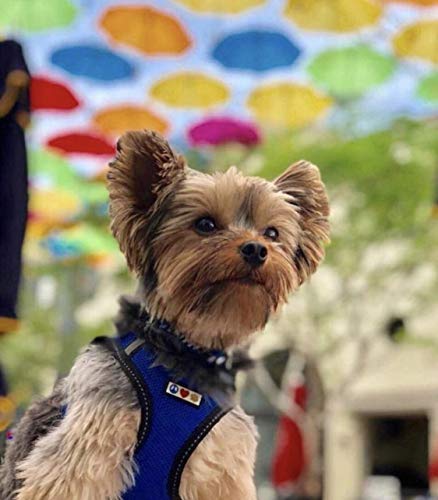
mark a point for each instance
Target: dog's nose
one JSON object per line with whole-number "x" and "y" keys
{"x": 254, "y": 253}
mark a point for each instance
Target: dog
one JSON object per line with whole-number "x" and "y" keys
{"x": 151, "y": 414}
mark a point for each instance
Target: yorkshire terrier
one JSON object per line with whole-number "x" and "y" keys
{"x": 150, "y": 414}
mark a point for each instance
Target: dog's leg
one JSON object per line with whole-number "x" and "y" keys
{"x": 40, "y": 418}
{"x": 222, "y": 467}
{"x": 88, "y": 456}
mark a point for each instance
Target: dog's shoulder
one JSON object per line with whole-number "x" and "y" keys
{"x": 95, "y": 374}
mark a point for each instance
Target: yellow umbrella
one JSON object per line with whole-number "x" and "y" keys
{"x": 415, "y": 2}
{"x": 333, "y": 15}
{"x": 418, "y": 40}
{"x": 51, "y": 209}
{"x": 190, "y": 90}
{"x": 220, "y": 6}
{"x": 116, "y": 120}
{"x": 287, "y": 104}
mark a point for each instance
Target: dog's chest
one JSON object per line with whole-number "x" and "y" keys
{"x": 175, "y": 420}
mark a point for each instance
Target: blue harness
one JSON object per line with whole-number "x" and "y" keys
{"x": 175, "y": 418}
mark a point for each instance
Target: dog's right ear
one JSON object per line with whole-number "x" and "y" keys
{"x": 143, "y": 167}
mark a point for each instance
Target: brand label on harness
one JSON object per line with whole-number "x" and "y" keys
{"x": 183, "y": 393}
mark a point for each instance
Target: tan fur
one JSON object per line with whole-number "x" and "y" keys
{"x": 222, "y": 467}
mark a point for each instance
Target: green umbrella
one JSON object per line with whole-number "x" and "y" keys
{"x": 349, "y": 72}
{"x": 428, "y": 87}
{"x": 58, "y": 172}
{"x": 36, "y": 15}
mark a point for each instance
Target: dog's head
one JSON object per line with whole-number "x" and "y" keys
{"x": 215, "y": 254}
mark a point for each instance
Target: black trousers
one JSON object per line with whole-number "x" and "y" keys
{"x": 13, "y": 213}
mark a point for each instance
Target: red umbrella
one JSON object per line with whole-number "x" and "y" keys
{"x": 82, "y": 143}
{"x": 48, "y": 94}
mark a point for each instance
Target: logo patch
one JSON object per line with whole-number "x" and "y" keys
{"x": 183, "y": 393}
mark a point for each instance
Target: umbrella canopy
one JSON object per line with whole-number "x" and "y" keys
{"x": 256, "y": 50}
{"x": 50, "y": 170}
{"x": 150, "y": 31}
{"x": 428, "y": 87}
{"x": 425, "y": 3}
{"x": 333, "y": 15}
{"x": 190, "y": 90}
{"x": 49, "y": 94}
{"x": 287, "y": 104}
{"x": 223, "y": 130}
{"x": 116, "y": 120}
{"x": 351, "y": 71}
{"x": 81, "y": 240}
{"x": 419, "y": 40}
{"x": 220, "y": 6}
{"x": 49, "y": 209}
{"x": 81, "y": 142}
{"x": 36, "y": 15}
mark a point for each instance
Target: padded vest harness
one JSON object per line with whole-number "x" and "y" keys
{"x": 175, "y": 418}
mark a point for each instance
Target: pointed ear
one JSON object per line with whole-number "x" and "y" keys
{"x": 143, "y": 167}
{"x": 302, "y": 182}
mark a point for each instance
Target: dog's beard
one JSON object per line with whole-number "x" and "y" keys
{"x": 220, "y": 304}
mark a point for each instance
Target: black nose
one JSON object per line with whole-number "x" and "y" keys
{"x": 254, "y": 253}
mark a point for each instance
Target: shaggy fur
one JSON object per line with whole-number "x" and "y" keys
{"x": 197, "y": 283}
{"x": 39, "y": 419}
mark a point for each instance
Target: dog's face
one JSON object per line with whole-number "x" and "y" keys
{"x": 216, "y": 254}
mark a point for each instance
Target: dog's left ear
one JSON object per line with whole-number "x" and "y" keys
{"x": 302, "y": 182}
{"x": 145, "y": 165}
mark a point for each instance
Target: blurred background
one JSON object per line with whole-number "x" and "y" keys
{"x": 345, "y": 393}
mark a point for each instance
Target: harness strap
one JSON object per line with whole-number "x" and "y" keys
{"x": 189, "y": 446}
{"x": 135, "y": 377}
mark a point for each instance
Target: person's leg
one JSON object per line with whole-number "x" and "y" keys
{"x": 13, "y": 215}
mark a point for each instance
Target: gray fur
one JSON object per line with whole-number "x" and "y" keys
{"x": 41, "y": 416}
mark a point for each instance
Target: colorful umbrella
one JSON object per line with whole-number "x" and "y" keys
{"x": 49, "y": 94}
{"x": 256, "y": 50}
{"x": 220, "y": 6}
{"x": 425, "y": 3}
{"x": 36, "y": 15}
{"x": 287, "y": 104}
{"x": 81, "y": 240}
{"x": 49, "y": 169}
{"x": 223, "y": 130}
{"x": 49, "y": 209}
{"x": 350, "y": 71}
{"x": 428, "y": 87}
{"x": 418, "y": 40}
{"x": 333, "y": 15}
{"x": 118, "y": 119}
{"x": 81, "y": 142}
{"x": 150, "y": 31}
{"x": 190, "y": 90}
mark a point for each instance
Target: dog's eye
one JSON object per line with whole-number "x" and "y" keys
{"x": 205, "y": 225}
{"x": 271, "y": 233}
